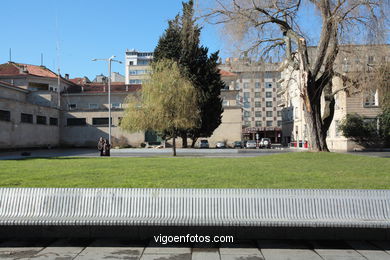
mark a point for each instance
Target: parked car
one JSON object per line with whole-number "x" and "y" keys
{"x": 251, "y": 144}
{"x": 220, "y": 144}
{"x": 204, "y": 144}
{"x": 265, "y": 143}
{"x": 238, "y": 144}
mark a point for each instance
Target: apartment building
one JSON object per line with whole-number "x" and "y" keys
{"x": 352, "y": 59}
{"x": 257, "y": 84}
{"x": 137, "y": 66}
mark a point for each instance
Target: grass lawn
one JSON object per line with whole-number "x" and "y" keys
{"x": 287, "y": 170}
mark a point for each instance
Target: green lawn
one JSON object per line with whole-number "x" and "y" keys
{"x": 288, "y": 170}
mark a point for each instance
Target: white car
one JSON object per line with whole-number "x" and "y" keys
{"x": 251, "y": 144}
{"x": 220, "y": 144}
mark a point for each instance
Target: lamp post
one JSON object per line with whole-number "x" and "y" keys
{"x": 109, "y": 60}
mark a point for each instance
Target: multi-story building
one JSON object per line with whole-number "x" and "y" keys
{"x": 137, "y": 66}
{"x": 31, "y": 115}
{"x": 352, "y": 59}
{"x": 29, "y": 105}
{"x": 257, "y": 84}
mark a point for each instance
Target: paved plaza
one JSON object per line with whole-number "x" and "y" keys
{"x": 244, "y": 250}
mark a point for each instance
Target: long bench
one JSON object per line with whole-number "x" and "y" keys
{"x": 221, "y": 210}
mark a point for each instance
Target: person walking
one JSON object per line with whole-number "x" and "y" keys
{"x": 106, "y": 148}
{"x": 100, "y": 146}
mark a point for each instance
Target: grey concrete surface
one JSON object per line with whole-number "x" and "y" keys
{"x": 167, "y": 152}
{"x": 142, "y": 250}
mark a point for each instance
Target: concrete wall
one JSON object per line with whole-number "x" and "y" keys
{"x": 15, "y": 134}
{"x": 88, "y": 135}
{"x": 230, "y": 128}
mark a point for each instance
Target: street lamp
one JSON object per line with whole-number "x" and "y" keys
{"x": 109, "y": 60}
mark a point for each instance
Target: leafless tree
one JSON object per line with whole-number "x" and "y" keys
{"x": 266, "y": 26}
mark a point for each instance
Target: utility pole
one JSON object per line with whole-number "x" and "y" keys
{"x": 109, "y": 60}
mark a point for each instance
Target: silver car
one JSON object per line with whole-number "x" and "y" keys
{"x": 220, "y": 144}
{"x": 251, "y": 144}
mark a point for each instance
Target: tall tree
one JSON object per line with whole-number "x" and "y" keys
{"x": 181, "y": 42}
{"x": 165, "y": 104}
{"x": 278, "y": 25}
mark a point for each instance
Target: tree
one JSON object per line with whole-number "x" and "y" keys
{"x": 360, "y": 131}
{"x": 165, "y": 103}
{"x": 180, "y": 42}
{"x": 275, "y": 25}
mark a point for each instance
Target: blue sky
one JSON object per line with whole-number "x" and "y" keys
{"x": 86, "y": 29}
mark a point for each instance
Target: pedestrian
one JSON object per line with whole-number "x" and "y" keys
{"x": 100, "y": 146}
{"x": 106, "y": 148}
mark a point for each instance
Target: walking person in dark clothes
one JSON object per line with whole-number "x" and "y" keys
{"x": 106, "y": 148}
{"x": 100, "y": 146}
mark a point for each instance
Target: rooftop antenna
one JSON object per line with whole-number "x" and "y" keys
{"x": 41, "y": 59}
{"x": 10, "y": 54}
{"x": 58, "y": 66}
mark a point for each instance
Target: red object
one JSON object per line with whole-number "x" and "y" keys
{"x": 305, "y": 145}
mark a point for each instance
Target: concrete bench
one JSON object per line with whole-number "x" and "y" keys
{"x": 229, "y": 208}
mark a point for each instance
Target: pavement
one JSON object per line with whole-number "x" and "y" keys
{"x": 242, "y": 250}
{"x": 153, "y": 152}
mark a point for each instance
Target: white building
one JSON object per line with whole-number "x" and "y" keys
{"x": 137, "y": 66}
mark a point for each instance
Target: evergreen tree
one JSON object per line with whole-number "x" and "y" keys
{"x": 181, "y": 42}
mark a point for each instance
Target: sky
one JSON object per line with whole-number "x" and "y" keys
{"x": 71, "y": 33}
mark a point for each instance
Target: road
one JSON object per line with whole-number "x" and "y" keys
{"x": 153, "y": 152}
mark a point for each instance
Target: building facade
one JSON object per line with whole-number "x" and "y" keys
{"x": 32, "y": 115}
{"x": 137, "y": 66}
{"x": 352, "y": 59}
{"x": 257, "y": 84}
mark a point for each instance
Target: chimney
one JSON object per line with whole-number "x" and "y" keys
{"x": 67, "y": 76}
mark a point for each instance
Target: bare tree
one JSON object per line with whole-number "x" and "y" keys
{"x": 266, "y": 26}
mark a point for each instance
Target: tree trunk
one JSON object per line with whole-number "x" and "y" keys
{"x": 315, "y": 127}
{"x": 184, "y": 140}
{"x": 193, "y": 142}
{"x": 174, "y": 145}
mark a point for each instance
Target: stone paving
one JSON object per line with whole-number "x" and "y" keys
{"x": 243, "y": 250}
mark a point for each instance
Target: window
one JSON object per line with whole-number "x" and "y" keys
{"x": 135, "y": 81}
{"x": 370, "y": 59}
{"x": 76, "y": 121}
{"x": 268, "y": 85}
{"x": 257, "y": 113}
{"x": 268, "y": 104}
{"x": 371, "y": 98}
{"x": 5, "y": 115}
{"x": 257, "y": 104}
{"x": 100, "y": 121}
{"x": 247, "y": 94}
{"x": 268, "y": 74}
{"x": 269, "y": 113}
{"x": 53, "y": 121}
{"x": 116, "y": 105}
{"x": 279, "y": 123}
{"x": 279, "y": 113}
{"x": 269, "y": 123}
{"x": 41, "y": 120}
{"x": 268, "y": 94}
{"x": 93, "y": 106}
{"x": 225, "y": 103}
{"x": 247, "y": 114}
{"x": 72, "y": 106}
{"x": 246, "y": 85}
{"x": 26, "y": 118}
{"x": 257, "y": 84}
{"x": 247, "y": 104}
{"x": 247, "y": 123}
{"x": 257, "y": 94}
{"x": 258, "y": 123}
